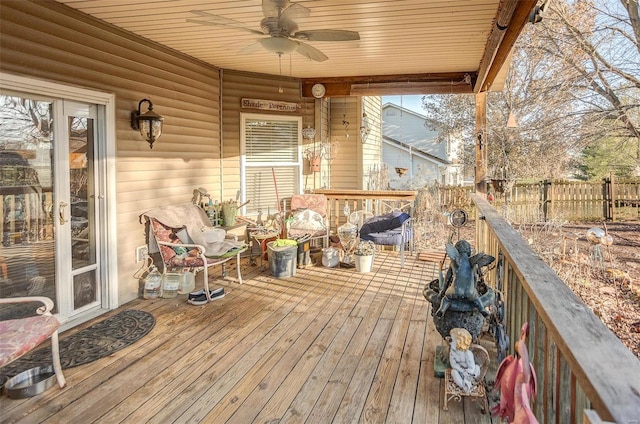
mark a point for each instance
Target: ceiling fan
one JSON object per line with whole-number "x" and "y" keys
{"x": 280, "y": 26}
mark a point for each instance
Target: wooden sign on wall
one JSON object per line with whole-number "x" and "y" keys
{"x": 270, "y": 105}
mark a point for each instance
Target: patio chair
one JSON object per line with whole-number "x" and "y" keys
{"x": 184, "y": 239}
{"x": 307, "y": 217}
{"x": 22, "y": 335}
{"x": 391, "y": 229}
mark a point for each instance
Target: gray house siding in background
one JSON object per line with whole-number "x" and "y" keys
{"x": 408, "y": 143}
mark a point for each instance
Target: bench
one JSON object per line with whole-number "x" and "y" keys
{"x": 22, "y": 335}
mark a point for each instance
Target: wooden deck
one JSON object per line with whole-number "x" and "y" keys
{"x": 328, "y": 345}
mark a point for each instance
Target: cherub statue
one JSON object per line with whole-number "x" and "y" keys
{"x": 464, "y": 369}
{"x": 460, "y": 284}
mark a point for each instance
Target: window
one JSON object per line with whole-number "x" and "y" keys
{"x": 270, "y": 158}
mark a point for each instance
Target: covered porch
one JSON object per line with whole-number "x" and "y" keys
{"x": 327, "y": 345}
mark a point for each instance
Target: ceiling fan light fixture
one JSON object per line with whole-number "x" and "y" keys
{"x": 279, "y": 45}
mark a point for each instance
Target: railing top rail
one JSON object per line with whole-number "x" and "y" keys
{"x": 605, "y": 368}
{"x": 369, "y": 194}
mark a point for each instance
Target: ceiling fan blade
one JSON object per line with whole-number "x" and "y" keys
{"x": 326, "y": 35}
{"x": 311, "y": 52}
{"x": 296, "y": 11}
{"x": 251, "y": 48}
{"x": 216, "y": 20}
{"x": 271, "y": 8}
{"x": 276, "y": 8}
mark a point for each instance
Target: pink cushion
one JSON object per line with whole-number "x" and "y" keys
{"x": 19, "y": 336}
{"x": 315, "y": 202}
{"x": 167, "y": 235}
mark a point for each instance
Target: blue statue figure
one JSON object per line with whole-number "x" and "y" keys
{"x": 459, "y": 288}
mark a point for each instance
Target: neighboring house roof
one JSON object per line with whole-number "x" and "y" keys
{"x": 408, "y": 127}
{"x": 416, "y": 151}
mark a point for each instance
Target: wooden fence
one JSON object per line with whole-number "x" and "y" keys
{"x": 610, "y": 200}
{"x": 580, "y": 364}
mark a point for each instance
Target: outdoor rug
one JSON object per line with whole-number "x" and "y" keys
{"x": 92, "y": 343}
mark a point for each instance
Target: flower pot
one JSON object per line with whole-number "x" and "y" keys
{"x": 330, "y": 257}
{"x": 363, "y": 263}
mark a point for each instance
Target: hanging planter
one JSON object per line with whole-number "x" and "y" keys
{"x": 499, "y": 185}
{"x": 314, "y": 163}
{"x": 401, "y": 171}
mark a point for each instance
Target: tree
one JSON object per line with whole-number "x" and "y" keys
{"x": 597, "y": 46}
{"x": 574, "y": 82}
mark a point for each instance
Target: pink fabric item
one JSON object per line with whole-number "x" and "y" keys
{"x": 167, "y": 235}
{"x": 315, "y": 202}
{"x": 19, "y": 336}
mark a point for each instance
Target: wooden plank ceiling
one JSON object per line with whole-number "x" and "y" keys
{"x": 405, "y": 46}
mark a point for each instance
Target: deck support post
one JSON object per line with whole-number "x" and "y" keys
{"x": 480, "y": 178}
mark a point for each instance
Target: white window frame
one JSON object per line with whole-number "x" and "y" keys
{"x": 244, "y": 117}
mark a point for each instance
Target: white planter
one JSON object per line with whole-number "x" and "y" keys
{"x": 363, "y": 263}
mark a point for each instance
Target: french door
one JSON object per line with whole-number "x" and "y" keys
{"x": 50, "y": 172}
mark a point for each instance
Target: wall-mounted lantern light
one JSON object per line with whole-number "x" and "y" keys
{"x": 149, "y": 124}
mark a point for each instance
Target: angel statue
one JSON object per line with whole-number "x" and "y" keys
{"x": 464, "y": 370}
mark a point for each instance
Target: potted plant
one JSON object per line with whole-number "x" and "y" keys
{"x": 363, "y": 256}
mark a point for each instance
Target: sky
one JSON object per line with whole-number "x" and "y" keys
{"x": 413, "y": 103}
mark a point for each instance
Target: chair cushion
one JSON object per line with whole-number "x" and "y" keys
{"x": 167, "y": 235}
{"x": 315, "y": 202}
{"x": 388, "y": 238}
{"x": 19, "y": 336}
{"x": 196, "y": 262}
{"x": 386, "y": 222}
{"x": 307, "y": 222}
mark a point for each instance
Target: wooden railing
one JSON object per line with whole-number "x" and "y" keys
{"x": 375, "y": 201}
{"x": 581, "y": 365}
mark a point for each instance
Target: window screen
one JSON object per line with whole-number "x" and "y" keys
{"x": 271, "y": 158}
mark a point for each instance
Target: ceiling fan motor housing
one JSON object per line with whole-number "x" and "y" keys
{"x": 278, "y": 27}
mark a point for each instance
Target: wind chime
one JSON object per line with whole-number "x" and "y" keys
{"x": 400, "y": 170}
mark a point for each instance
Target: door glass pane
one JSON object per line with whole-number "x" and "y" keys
{"x": 83, "y": 250}
{"x": 27, "y": 260}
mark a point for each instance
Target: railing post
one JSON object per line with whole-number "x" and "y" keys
{"x": 612, "y": 193}
{"x": 481, "y": 143}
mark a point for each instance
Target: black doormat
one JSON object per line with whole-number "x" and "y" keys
{"x": 92, "y": 343}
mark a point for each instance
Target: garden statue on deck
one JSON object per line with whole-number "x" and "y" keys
{"x": 464, "y": 369}
{"x": 460, "y": 284}
{"x": 516, "y": 380}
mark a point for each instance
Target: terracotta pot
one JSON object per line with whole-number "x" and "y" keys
{"x": 314, "y": 164}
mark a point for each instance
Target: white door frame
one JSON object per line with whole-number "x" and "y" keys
{"x": 107, "y": 187}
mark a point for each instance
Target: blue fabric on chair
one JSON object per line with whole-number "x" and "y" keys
{"x": 388, "y": 238}
{"x": 391, "y": 229}
{"x": 382, "y": 223}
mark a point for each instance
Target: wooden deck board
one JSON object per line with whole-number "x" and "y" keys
{"x": 327, "y": 345}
